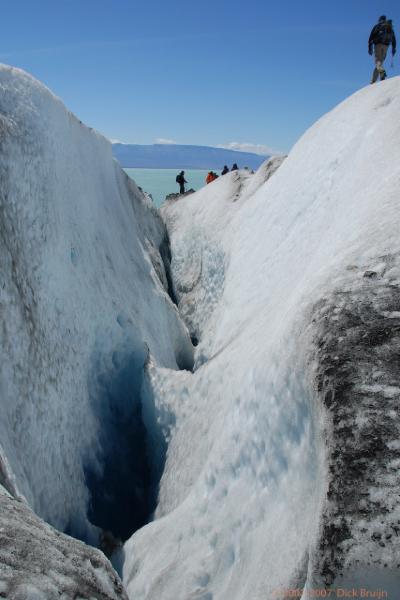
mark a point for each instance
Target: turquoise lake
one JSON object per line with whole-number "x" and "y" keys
{"x": 161, "y": 182}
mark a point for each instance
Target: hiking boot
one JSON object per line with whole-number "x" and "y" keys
{"x": 383, "y": 75}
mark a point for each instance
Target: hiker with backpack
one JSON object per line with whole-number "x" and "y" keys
{"x": 211, "y": 176}
{"x": 181, "y": 180}
{"x": 225, "y": 170}
{"x": 382, "y": 35}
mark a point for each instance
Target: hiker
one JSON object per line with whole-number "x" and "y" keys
{"x": 225, "y": 170}
{"x": 181, "y": 180}
{"x": 382, "y": 35}
{"x": 211, "y": 176}
{"x": 234, "y": 167}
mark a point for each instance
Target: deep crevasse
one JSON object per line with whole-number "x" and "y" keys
{"x": 290, "y": 285}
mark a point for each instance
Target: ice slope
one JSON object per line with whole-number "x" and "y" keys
{"x": 83, "y": 298}
{"x": 283, "y": 446}
{"x": 204, "y": 251}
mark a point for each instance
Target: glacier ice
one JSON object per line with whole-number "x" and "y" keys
{"x": 39, "y": 563}
{"x": 281, "y": 468}
{"x": 271, "y": 453}
{"x": 84, "y": 298}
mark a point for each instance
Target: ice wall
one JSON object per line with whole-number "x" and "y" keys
{"x": 83, "y": 298}
{"x": 283, "y": 445}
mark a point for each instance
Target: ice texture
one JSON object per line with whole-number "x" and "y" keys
{"x": 84, "y": 298}
{"x": 278, "y": 456}
{"x": 39, "y": 563}
{"x": 281, "y": 454}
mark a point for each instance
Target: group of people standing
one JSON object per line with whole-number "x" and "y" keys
{"x": 211, "y": 176}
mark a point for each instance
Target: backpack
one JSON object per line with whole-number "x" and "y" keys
{"x": 383, "y": 34}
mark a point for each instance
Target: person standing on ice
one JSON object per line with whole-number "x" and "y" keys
{"x": 382, "y": 35}
{"x": 181, "y": 180}
{"x": 225, "y": 170}
{"x": 234, "y": 167}
{"x": 211, "y": 177}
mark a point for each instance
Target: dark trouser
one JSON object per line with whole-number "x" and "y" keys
{"x": 380, "y": 55}
{"x": 181, "y": 188}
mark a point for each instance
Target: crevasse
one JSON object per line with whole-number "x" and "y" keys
{"x": 270, "y": 465}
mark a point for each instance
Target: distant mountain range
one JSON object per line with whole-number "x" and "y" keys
{"x": 176, "y": 156}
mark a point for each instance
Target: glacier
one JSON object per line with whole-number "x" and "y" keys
{"x": 84, "y": 298}
{"x": 281, "y": 473}
{"x": 216, "y": 384}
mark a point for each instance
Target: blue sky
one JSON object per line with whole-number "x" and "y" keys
{"x": 210, "y": 72}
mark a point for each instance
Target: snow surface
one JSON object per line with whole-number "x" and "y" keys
{"x": 82, "y": 301}
{"x": 243, "y": 509}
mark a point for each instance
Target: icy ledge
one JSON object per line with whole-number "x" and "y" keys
{"x": 283, "y": 446}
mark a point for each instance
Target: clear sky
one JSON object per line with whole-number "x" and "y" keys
{"x": 210, "y": 72}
